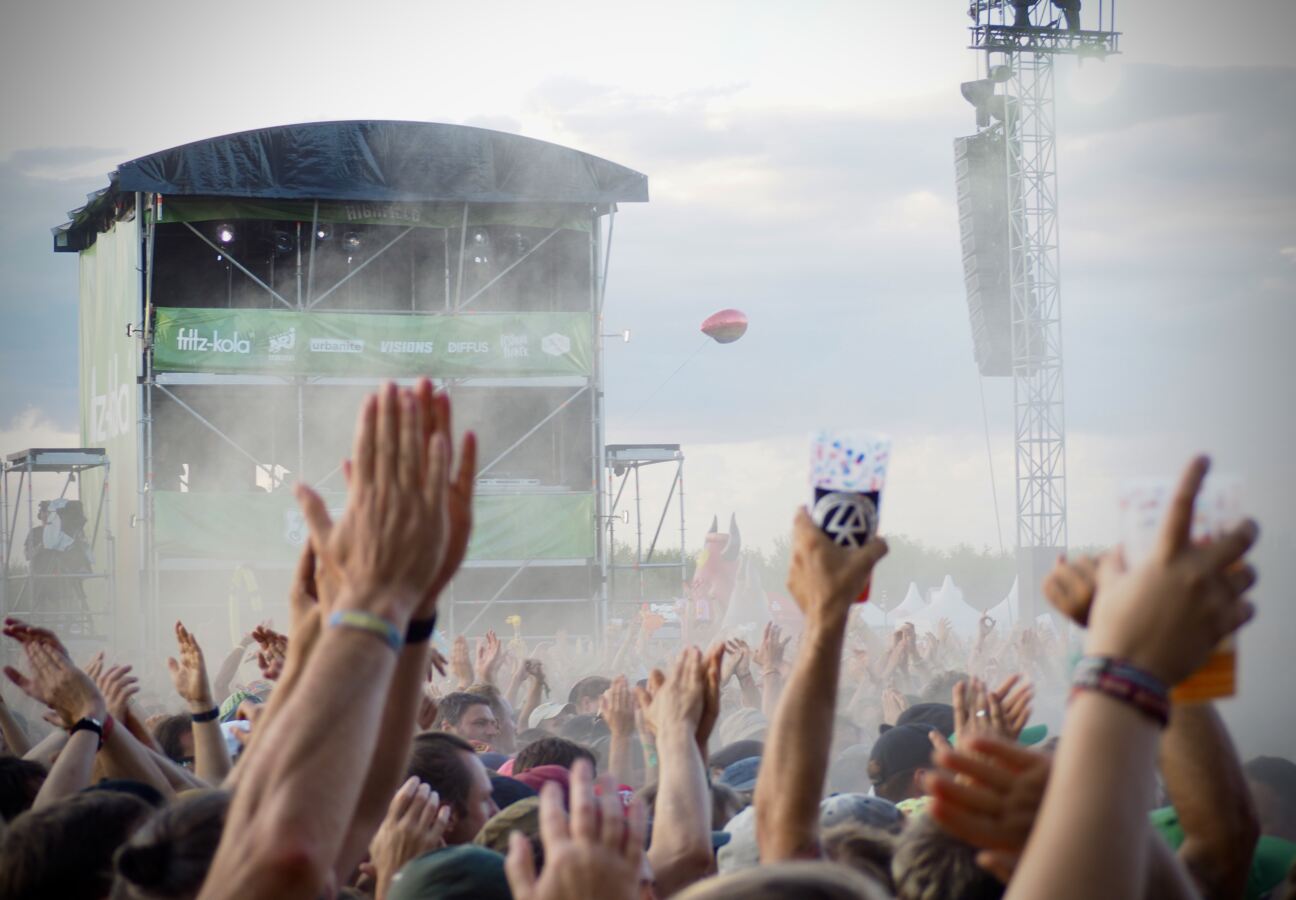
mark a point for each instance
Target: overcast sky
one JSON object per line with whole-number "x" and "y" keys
{"x": 800, "y": 165}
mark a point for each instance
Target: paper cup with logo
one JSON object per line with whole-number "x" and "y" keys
{"x": 847, "y": 474}
{"x": 1143, "y": 506}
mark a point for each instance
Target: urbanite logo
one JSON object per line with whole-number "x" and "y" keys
{"x": 190, "y": 339}
{"x": 555, "y": 344}
{"x": 468, "y": 347}
{"x": 336, "y": 345}
{"x": 284, "y": 341}
{"x": 405, "y": 347}
{"x": 515, "y": 345}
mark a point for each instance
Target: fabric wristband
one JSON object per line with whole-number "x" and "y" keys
{"x": 1118, "y": 679}
{"x": 363, "y": 621}
{"x": 210, "y": 716}
{"x": 420, "y": 630}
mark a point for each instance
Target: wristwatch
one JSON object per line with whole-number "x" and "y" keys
{"x": 88, "y": 724}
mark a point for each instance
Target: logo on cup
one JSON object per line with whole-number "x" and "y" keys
{"x": 850, "y": 519}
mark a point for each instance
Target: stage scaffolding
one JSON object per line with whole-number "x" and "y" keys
{"x": 262, "y": 323}
{"x": 623, "y": 465}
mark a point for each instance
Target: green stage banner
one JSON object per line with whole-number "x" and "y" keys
{"x": 286, "y": 342}
{"x": 260, "y": 527}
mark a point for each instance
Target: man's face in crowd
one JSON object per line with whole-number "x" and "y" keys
{"x": 480, "y": 806}
{"x": 554, "y": 724}
{"x": 587, "y": 706}
{"x": 904, "y": 785}
{"x": 478, "y": 724}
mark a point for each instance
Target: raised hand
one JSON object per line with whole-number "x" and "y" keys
{"x": 388, "y": 548}
{"x": 893, "y": 705}
{"x": 189, "y": 673}
{"x": 460, "y": 663}
{"x": 1169, "y": 613}
{"x": 988, "y": 795}
{"x": 273, "y": 653}
{"x": 597, "y": 853}
{"x": 1014, "y": 697}
{"x": 680, "y": 700}
{"x": 489, "y": 657}
{"x": 426, "y": 717}
{"x": 1071, "y": 585}
{"x": 415, "y": 824}
{"x": 459, "y": 496}
{"x": 58, "y": 684}
{"x": 769, "y": 655}
{"x": 738, "y": 662}
{"x": 617, "y": 707}
{"x": 825, "y": 579}
{"x": 118, "y": 686}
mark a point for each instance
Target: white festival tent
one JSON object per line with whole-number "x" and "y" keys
{"x": 948, "y": 603}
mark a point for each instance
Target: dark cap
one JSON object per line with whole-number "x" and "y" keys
{"x": 938, "y": 715}
{"x": 730, "y": 753}
{"x": 900, "y": 749}
{"x": 466, "y": 871}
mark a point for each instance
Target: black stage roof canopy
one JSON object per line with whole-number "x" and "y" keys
{"x": 375, "y": 161}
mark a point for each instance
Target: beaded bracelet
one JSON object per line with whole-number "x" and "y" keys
{"x": 1118, "y": 679}
{"x": 363, "y": 621}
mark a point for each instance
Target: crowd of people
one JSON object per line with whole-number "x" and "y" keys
{"x": 823, "y": 760}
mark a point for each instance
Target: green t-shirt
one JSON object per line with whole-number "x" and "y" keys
{"x": 1273, "y": 856}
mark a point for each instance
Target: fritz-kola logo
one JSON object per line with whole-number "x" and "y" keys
{"x": 190, "y": 339}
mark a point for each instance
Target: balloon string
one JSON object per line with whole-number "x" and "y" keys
{"x": 678, "y": 369}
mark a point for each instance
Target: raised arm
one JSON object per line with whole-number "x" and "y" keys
{"x": 189, "y": 675}
{"x": 1208, "y": 790}
{"x": 283, "y": 833}
{"x": 1161, "y": 621}
{"x": 617, "y": 709}
{"x": 824, "y": 579}
{"x": 15, "y": 739}
{"x": 681, "y": 837}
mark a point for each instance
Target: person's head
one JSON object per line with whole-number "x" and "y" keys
{"x": 1273, "y": 789}
{"x": 899, "y": 761}
{"x": 168, "y": 858}
{"x": 788, "y": 881}
{"x": 452, "y": 873}
{"x": 174, "y": 735}
{"x": 585, "y": 694}
{"x": 584, "y": 729}
{"x": 862, "y": 848}
{"x": 470, "y": 716}
{"x": 522, "y": 816}
{"x": 743, "y": 724}
{"x": 20, "y": 782}
{"x": 551, "y": 751}
{"x": 731, "y": 753}
{"x": 66, "y": 849}
{"x": 550, "y": 717}
{"x": 938, "y": 715}
{"x": 449, "y": 765}
{"x": 931, "y": 864}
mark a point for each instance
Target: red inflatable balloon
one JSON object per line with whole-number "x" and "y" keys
{"x": 726, "y": 326}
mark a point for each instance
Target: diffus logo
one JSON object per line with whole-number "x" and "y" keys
{"x": 109, "y": 411}
{"x": 189, "y": 339}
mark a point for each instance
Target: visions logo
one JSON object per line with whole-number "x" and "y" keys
{"x": 556, "y": 344}
{"x": 405, "y": 347}
{"x": 189, "y": 339}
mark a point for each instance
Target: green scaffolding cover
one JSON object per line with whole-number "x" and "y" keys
{"x": 265, "y": 527}
{"x": 286, "y": 342}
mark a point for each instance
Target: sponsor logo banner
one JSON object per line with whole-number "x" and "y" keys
{"x": 305, "y": 343}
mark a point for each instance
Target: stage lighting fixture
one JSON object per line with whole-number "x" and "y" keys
{"x": 480, "y": 248}
{"x": 1000, "y": 74}
{"x": 225, "y": 234}
{"x": 351, "y": 241}
{"x": 323, "y": 231}
{"x": 979, "y": 93}
{"x": 283, "y": 242}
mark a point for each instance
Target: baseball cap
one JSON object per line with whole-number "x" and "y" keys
{"x": 730, "y": 753}
{"x": 938, "y": 715}
{"x": 523, "y": 816}
{"x": 506, "y": 791}
{"x": 546, "y": 711}
{"x": 741, "y": 776}
{"x": 900, "y": 749}
{"x": 741, "y": 852}
{"x": 453, "y": 873}
{"x": 861, "y": 808}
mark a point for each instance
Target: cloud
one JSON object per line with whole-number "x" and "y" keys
{"x": 33, "y": 428}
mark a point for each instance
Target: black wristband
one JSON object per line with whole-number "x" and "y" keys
{"x": 88, "y": 724}
{"x": 420, "y": 630}
{"x": 210, "y": 716}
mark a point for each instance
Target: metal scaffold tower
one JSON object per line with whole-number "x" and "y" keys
{"x": 1019, "y": 41}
